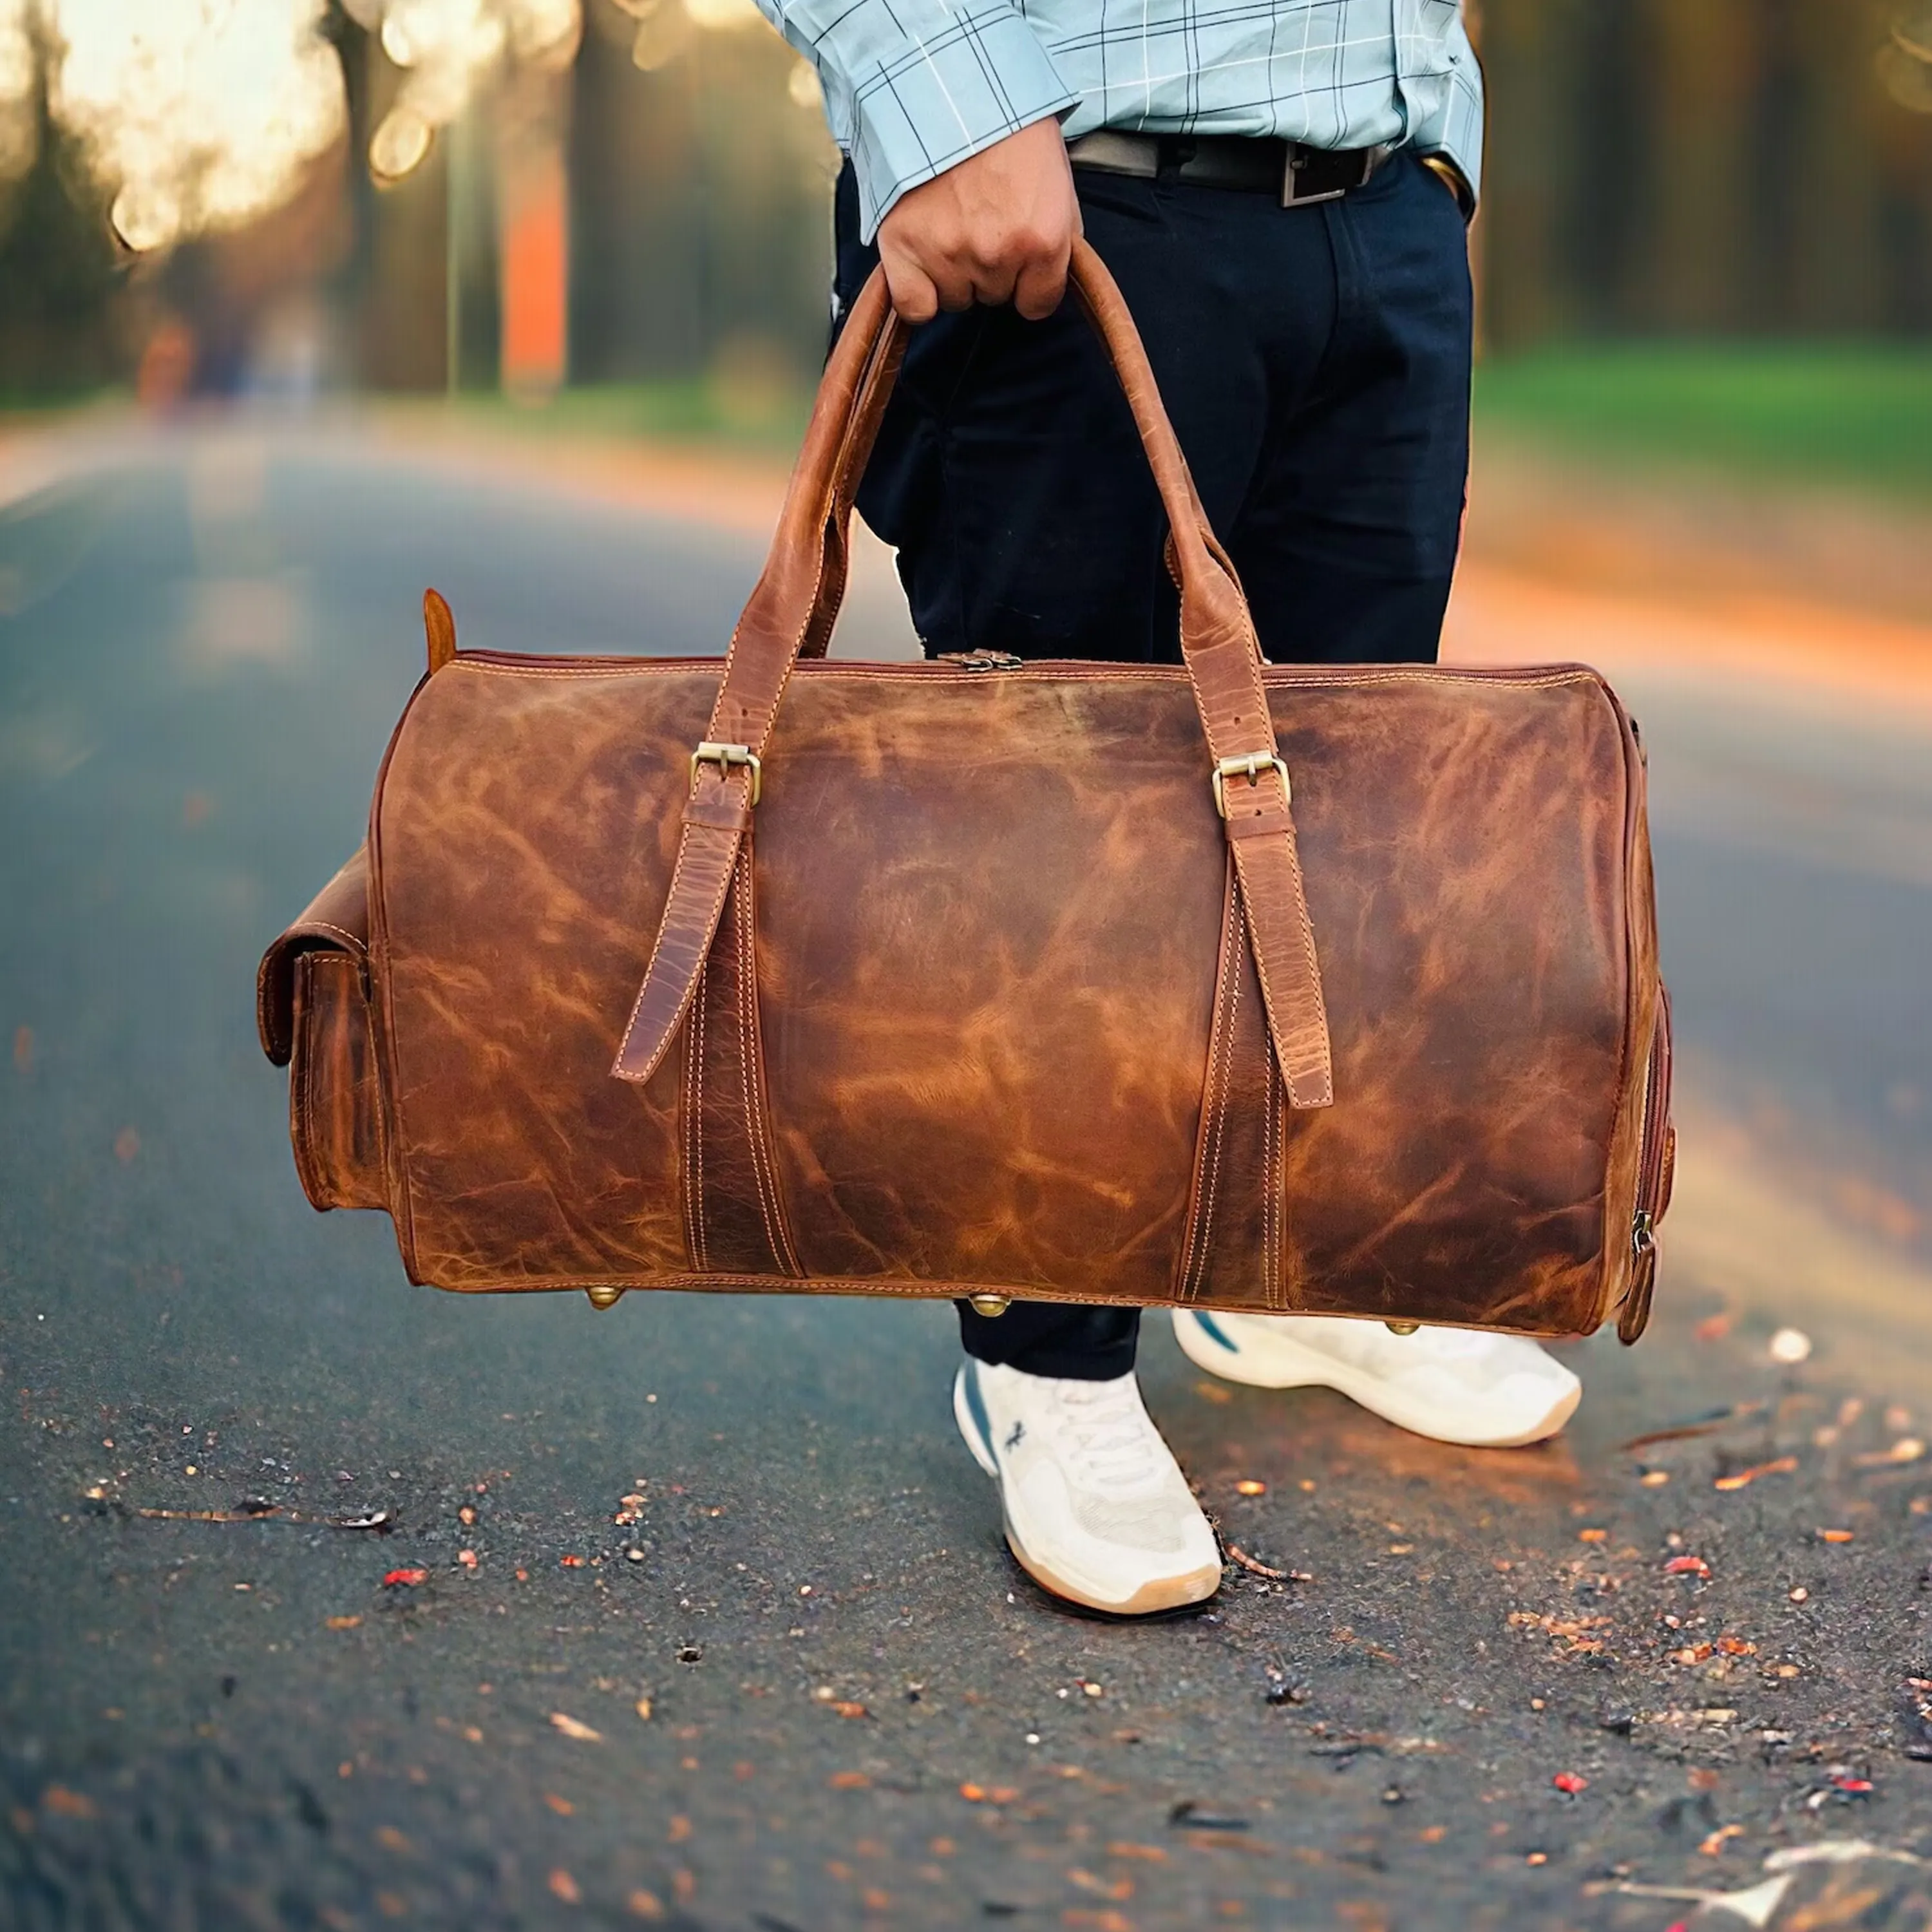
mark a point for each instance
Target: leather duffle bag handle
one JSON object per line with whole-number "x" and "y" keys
{"x": 791, "y": 614}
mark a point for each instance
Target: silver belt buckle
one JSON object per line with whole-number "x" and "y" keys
{"x": 1297, "y": 153}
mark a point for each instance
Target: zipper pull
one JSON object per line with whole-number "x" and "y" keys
{"x": 980, "y": 660}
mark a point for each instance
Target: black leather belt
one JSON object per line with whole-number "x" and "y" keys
{"x": 1291, "y": 169}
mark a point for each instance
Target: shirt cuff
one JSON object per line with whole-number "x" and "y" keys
{"x": 982, "y": 75}
{"x": 1454, "y": 127}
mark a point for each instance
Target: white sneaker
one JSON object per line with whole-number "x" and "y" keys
{"x": 1096, "y": 1509}
{"x": 1456, "y": 1384}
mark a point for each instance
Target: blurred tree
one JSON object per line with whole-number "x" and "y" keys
{"x": 1730, "y": 166}
{"x": 59, "y": 269}
{"x": 701, "y": 195}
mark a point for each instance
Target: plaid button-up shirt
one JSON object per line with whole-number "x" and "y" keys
{"x": 913, "y": 86}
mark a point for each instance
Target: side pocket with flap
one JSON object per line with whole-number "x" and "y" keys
{"x": 335, "y": 1113}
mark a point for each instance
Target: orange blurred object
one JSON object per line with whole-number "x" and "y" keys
{"x": 536, "y": 270}
{"x": 167, "y": 366}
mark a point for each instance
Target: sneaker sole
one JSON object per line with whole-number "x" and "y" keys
{"x": 1290, "y": 1366}
{"x": 1165, "y": 1593}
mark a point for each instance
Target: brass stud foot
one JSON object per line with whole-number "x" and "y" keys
{"x": 1402, "y": 1328}
{"x": 988, "y": 1304}
{"x": 603, "y": 1295}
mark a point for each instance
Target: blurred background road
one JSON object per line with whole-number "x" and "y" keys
{"x": 699, "y": 1615}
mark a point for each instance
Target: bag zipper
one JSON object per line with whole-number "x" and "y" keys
{"x": 1656, "y": 1163}
{"x": 980, "y": 660}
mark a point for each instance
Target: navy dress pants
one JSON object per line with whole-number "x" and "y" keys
{"x": 1315, "y": 363}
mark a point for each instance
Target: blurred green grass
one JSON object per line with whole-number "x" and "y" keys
{"x": 1850, "y": 414}
{"x": 1845, "y": 414}
{"x": 684, "y": 411}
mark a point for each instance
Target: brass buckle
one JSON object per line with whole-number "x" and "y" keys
{"x": 724, "y": 757}
{"x": 1250, "y": 768}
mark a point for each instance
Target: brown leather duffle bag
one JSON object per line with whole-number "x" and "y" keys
{"x": 1281, "y": 988}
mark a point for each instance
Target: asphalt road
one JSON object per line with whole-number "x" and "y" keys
{"x": 799, "y": 1684}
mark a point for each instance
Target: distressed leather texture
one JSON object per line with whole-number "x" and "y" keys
{"x": 976, "y": 1001}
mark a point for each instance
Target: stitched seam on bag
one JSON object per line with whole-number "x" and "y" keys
{"x": 757, "y": 1108}
{"x": 1209, "y": 1081}
{"x": 1276, "y": 1296}
{"x": 375, "y": 1076}
{"x": 1227, "y": 1001}
{"x": 1267, "y": 1193}
{"x": 700, "y": 1018}
{"x": 341, "y": 931}
{"x": 694, "y": 1126}
{"x": 928, "y": 672}
{"x": 328, "y": 1179}
{"x": 302, "y": 1062}
{"x": 1220, "y": 1128}
{"x": 688, "y": 1182}
{"x": 893, "y": 1288}
{"x": 747, "y": 1072}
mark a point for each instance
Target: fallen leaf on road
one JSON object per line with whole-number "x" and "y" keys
{"x": 1248, "y": 1487}
{"x": 1715, "y": 1844}
{"x": 405, "y": 1580}
{"x": 1593, "y": 1536}
{"x": 1703, "y": 1424}
{"x": 562, "y": 1807}
{"x": 1834, "y": 1536}
{"x": 1687, "y": 1566}
{"x": 65, "y": 1803}
{"x": 847, "y": 1708}
{"x": 1087, "y": 1881}
{"x": 572, "y": 1562}
{"x": 1237, "y": 1555}
{"x": 564, "y": 1887}
{"x": 1783, "y": 1466}
{"x": 1907, "y": 1449}
{"x": 343, "y": 1623}
{"x": 253, "y": 1509}
{"x": 849, "y": 1781}
{"x": 205, "y": 1516}
{"x": 1571, "y": 1782}
{"x": 572, "y": 1728}
{"x": 1735, "y": 1646}
{"x": 644, "y": 1709}
{"x": 1188, "y": 1816}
